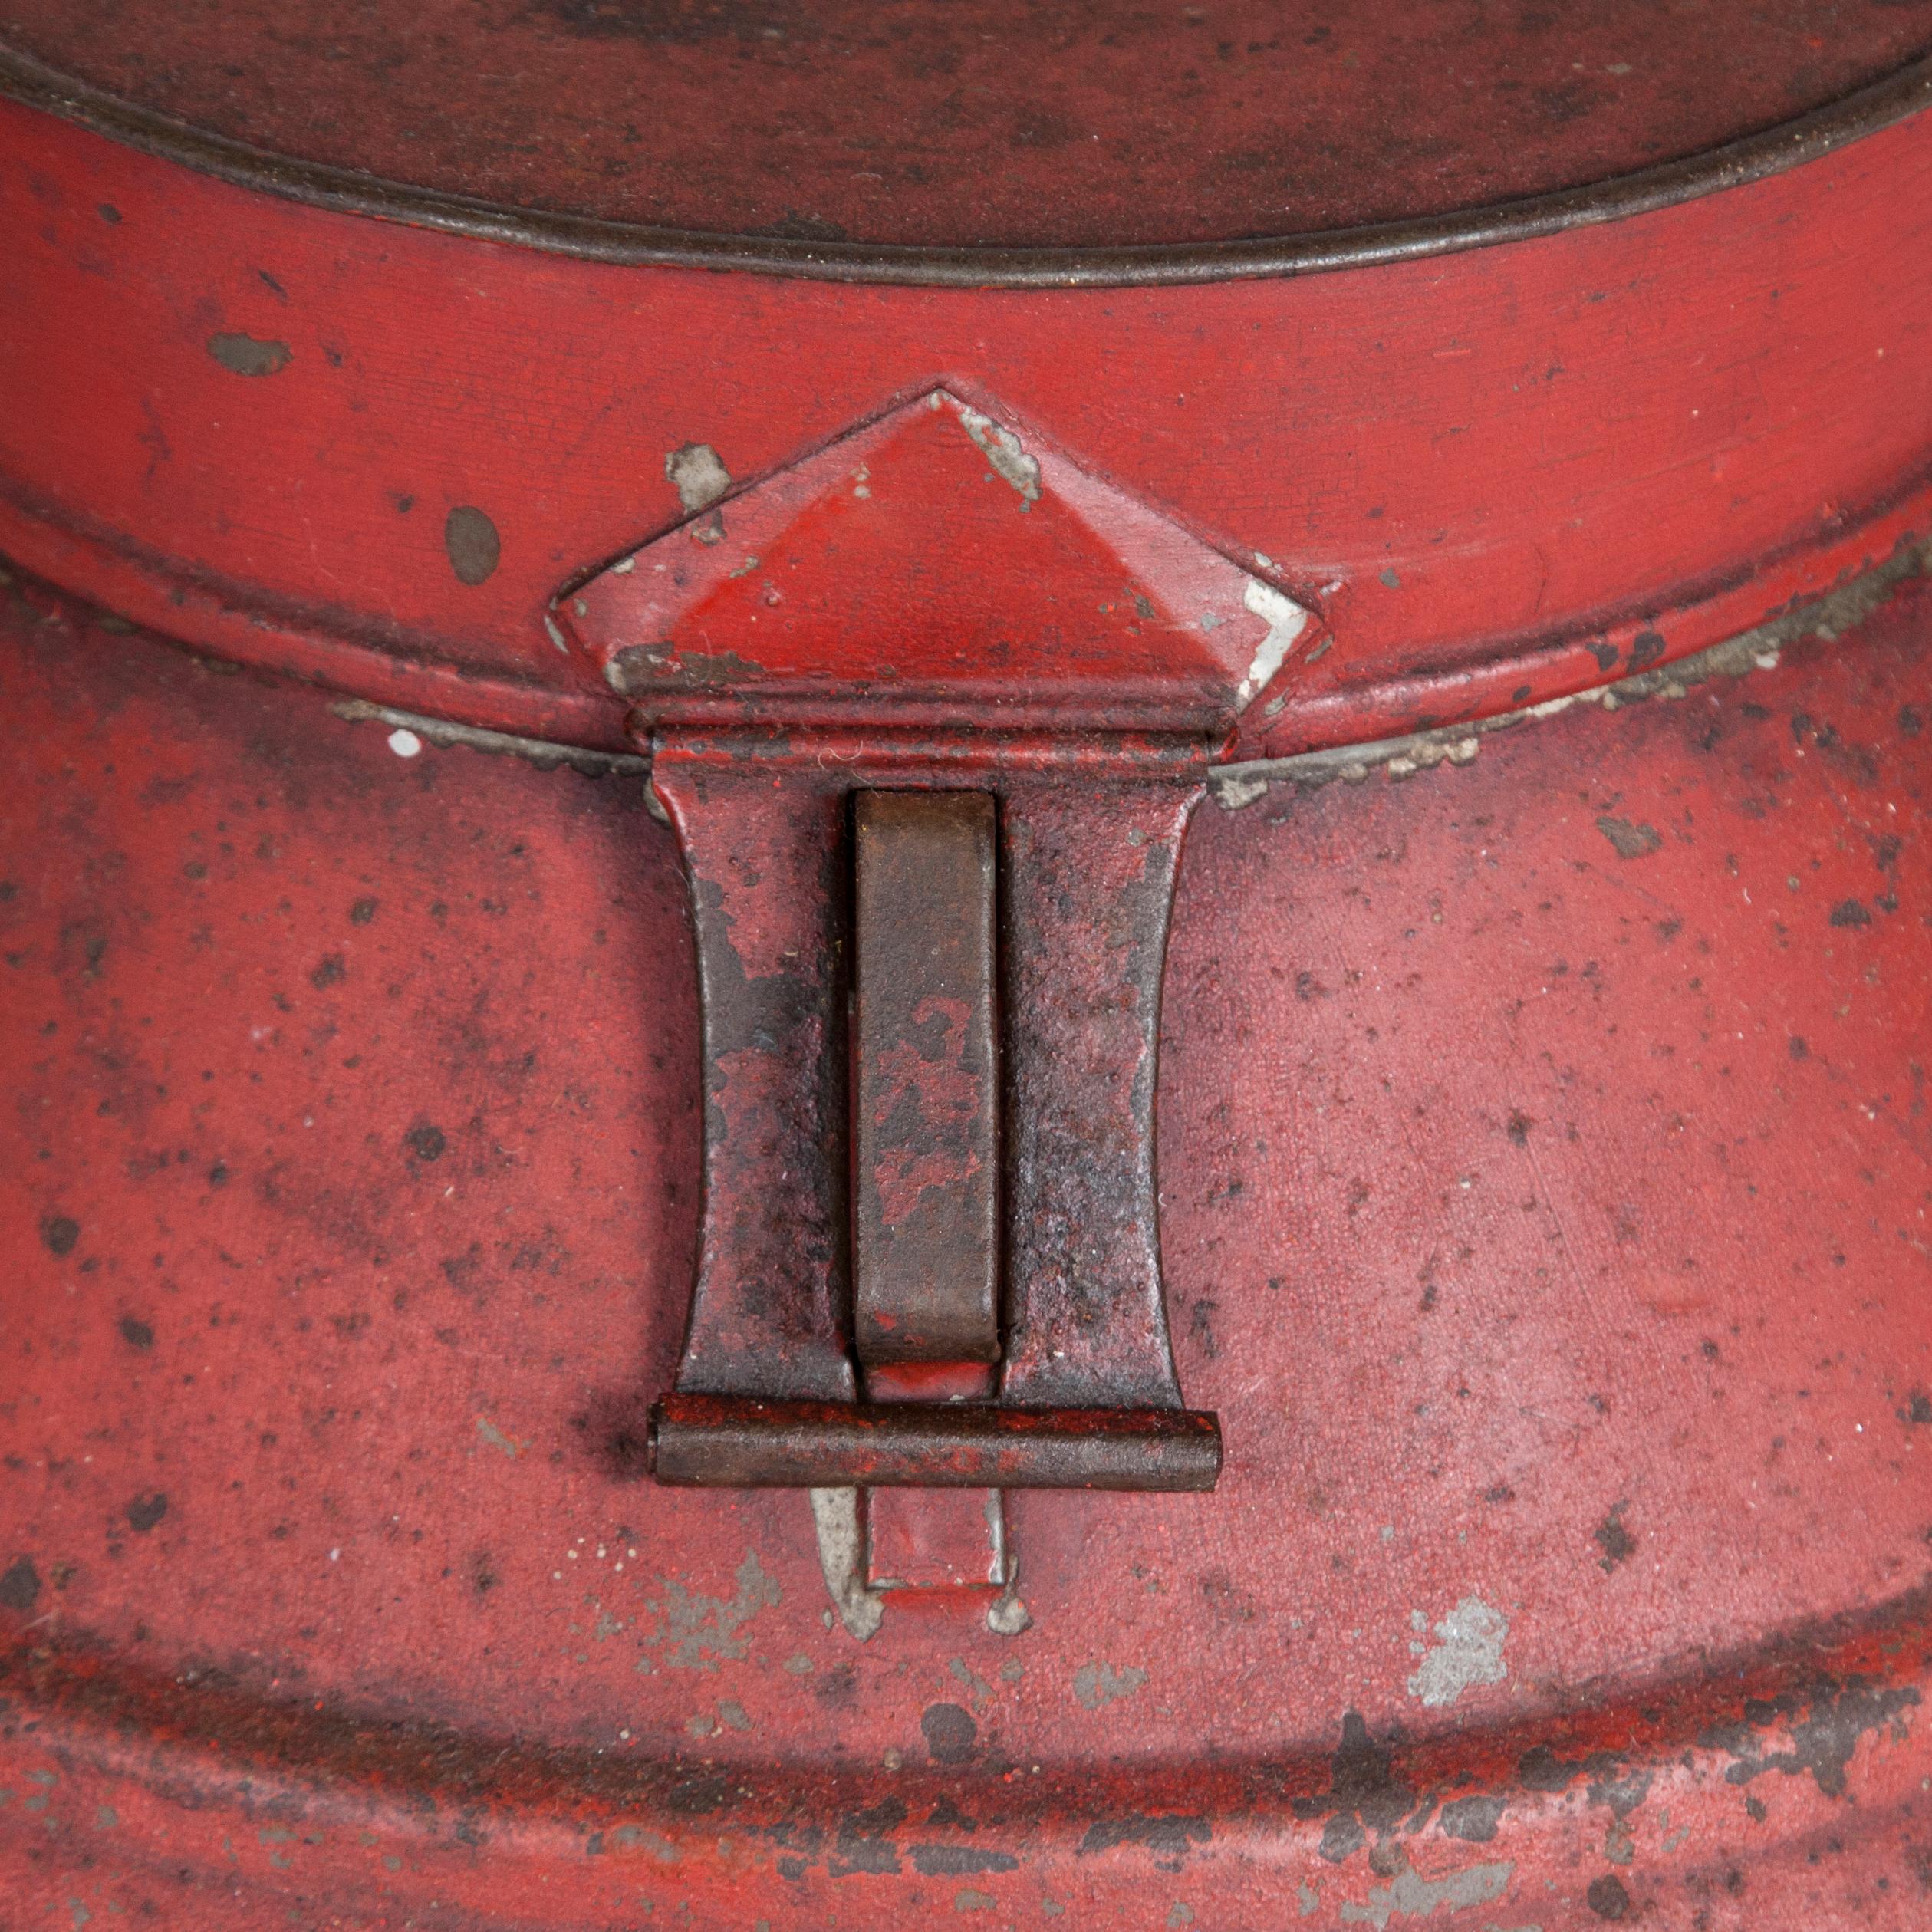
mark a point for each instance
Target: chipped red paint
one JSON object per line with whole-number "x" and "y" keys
{"x": 936, "y": 568}
{"x": 1588, "y": 451}
{"x": 1540, "y": 1201}
{"x": 1626, "y": 1147}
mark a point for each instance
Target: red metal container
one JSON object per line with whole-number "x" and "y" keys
{"x": 618, "y": 614}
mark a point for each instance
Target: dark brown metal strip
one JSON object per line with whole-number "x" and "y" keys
{"x": 737, "y": 1442}
{"x": 925, "y": 1233}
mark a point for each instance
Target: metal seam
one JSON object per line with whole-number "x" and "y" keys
{"x": 1236, "y": 785}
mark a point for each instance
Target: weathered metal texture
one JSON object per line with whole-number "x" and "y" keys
{"x": 768, "y": 863}
{"x": 1090, "y": 881}
{"x": 1497, "y": 476}
{"x": 1087, "y": 864}
{"x": 1542, "y": 1157}
{"x": 737, "y": 1442}
{"x": 926, "y": 1099}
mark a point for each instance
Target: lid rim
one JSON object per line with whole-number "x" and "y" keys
{"x": 1732, "y": 164}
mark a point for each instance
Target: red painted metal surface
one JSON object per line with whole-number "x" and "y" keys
{"x": 1542, "y": 1150}
{"x": 1579, "y": 453}
{"x": 1541, "y": 1199}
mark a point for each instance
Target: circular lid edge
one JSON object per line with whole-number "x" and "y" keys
{"x": 1734, "y": 163}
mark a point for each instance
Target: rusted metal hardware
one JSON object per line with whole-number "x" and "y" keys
{"x": 715, "y": 1441}
{"x": 926, "y": 1117}
{"x": 932, "y": 879}
{"x": 1086, "y": 875}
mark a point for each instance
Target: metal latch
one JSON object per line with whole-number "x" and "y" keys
{"x": 929, "y": 711}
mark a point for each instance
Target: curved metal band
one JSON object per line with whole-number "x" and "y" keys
{"x": 1770, "y": 151}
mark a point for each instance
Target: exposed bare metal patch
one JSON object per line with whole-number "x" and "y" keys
{"x": 1409, "y": 1895}
{"x": 1467, "y": 1651}
{"x": 1004, "y": 453}
{"x": 1235, "y": 787}
{"x": 1096, "y": 1684}
{"x": 247, "y": 355}
{"x": 698, "y": 474}
{"x": 838, "y": 1516}
{"x": 1285, "y": 620}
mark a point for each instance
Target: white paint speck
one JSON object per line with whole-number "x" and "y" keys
{"x": 404, "y": 744}
{"x": 1285, "y": 620}
{"x": 335, "y": 1556}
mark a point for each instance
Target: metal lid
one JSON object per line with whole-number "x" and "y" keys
{"x": 976, "y": 125}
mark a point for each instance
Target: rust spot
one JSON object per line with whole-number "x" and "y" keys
{"x": 470, "y": 539}
{"x": 20, "y": 1586}
{"x": 950, "y": 1733}
{"x": 1618, "y": 1545}
{"x": 147, "y": 1510}
{"x": 1608, "y": 1897}
{"x": 1169, "y": 1837}
{"x": 247, "y": 355}
{"x": 1632, "y": 841}
{"x": 1645, "y": 648}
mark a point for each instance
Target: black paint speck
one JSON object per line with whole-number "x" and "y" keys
{"x": 327, "y": 971}
{"x": 20, "y": 1586}
{"x": 1797, "y": 1047}
{"x": 1850, "y": 912}
{"x": 147, "y": 1510}
{"x": 59, "y": 1233}
{"x": 950, "y": 1733}
{"x": 470, "y": 539}
{"x": 426, "y": 1141}
{"x": 1632, "y": 841}
{"x": 1607, "y": 1897}
{"x": 1645, "y": 648}
{"x": 136, "y": 1332}
{"x": 244, "y": 355}
{"x": 362, "y": 912}
{"x": 1618, "y": 1545}
{"x": 108, "y": 213}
